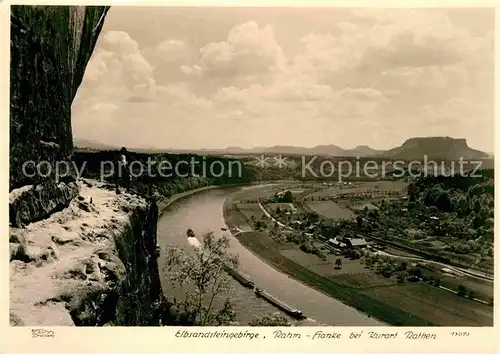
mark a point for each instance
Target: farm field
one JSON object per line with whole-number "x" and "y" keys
{"x": 398, "y": 252}
{"x": 268, "y": 249}
{"x": 330, "y": 210}
{"x": 307, "y": 259}
{"x": 251, "y": 209}
{"x": 482, "y": 289}
{"x": 360, "y": 187}
{"x": 256, "y": 193}
{"x": 360, "y": 206}
{"x": 369, "y": 292}
{"x": 272, "y": 207}
{"x": 361, "y": 280}
{"x": 410, "y": 304}
{"x": 352, "y": 273}
{"x": 296, "y": 191}
{"x": 438, "y": 306}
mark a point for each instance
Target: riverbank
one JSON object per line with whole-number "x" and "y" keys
{"x": 162, "y": 205}
{"x": 203, "y": 213}
{"x": 384, "y": 299}
{"x": 235, "y": 274}
{"x": 265, "y": 249}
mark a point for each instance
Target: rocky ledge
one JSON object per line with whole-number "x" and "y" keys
{"x": 30, "y": 203}
{"x": 92, "y": 263}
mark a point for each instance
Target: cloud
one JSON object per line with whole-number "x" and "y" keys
{"x": 423, "y": 40}
{"x": 137, "y": 66}
{"x": 361, "y": 94}
{"x": 174, "y": 60}
{"x": 117, "y": 73}
{"x": 195, "y": 70}
{"x": 94, "y": 122}
{"x": 117, "y": 70}
{"x": 458, "y": 112}
{"x": 171, "y": 50}
{"x": 118, "y": 42}
{"x": 364, "y": 72}
{"x": 179, "y": 96}
{"x": 248, "y": 51}
{"x": 286, "y": 90}
{"x": 145, "y": 92}
{"x": 411, "y": 43}
{"x": 459, "y": 118}
{"x": 411, "y": 78}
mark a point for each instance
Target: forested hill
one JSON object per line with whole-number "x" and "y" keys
{"x": 171, "y": 173}
{"x": 471, "y": 198}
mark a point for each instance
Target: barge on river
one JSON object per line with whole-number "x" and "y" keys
{"x": 241, "y": 277}
{"x": 280, "y": 304}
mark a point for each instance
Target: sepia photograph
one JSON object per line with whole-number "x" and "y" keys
{"x": 251, "y": 166}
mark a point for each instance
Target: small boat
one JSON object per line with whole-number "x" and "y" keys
{"x": 190, "y": 233}
{"x": 223, "y": 229}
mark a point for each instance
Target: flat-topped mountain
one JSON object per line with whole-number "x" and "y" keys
{"x": 438, "y": 148}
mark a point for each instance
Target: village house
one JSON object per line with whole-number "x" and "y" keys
{"x": 310, "y": 228}
{"x": 336, "y": 243}
{"x": 355, "y": 243}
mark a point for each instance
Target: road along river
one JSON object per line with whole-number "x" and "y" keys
{"x": 202, "y": 212}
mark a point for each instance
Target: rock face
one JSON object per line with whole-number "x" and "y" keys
{"x": 79, "y": 253}
{"x": 50, "y": 48}
{"x": 92, "y": 264}
{"x": 29, "y": 203}
{"x": 436, "y": 148}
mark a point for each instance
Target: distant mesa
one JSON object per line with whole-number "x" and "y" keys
{"x": 437, "y": 148}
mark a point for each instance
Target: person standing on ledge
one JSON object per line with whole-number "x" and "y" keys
{"x": 122, "y": 171}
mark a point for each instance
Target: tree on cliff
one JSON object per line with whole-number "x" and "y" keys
{"x": 204, "y": 284}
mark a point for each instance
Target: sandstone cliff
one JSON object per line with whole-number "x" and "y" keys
{"x": 79, "y": 253}
{"x": 94, "y": 263}
{"x": 50, "y": 47}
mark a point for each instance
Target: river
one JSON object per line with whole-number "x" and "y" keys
{"x": 202, "y": 212}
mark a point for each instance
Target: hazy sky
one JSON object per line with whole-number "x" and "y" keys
{"x": 217, "y": 77}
